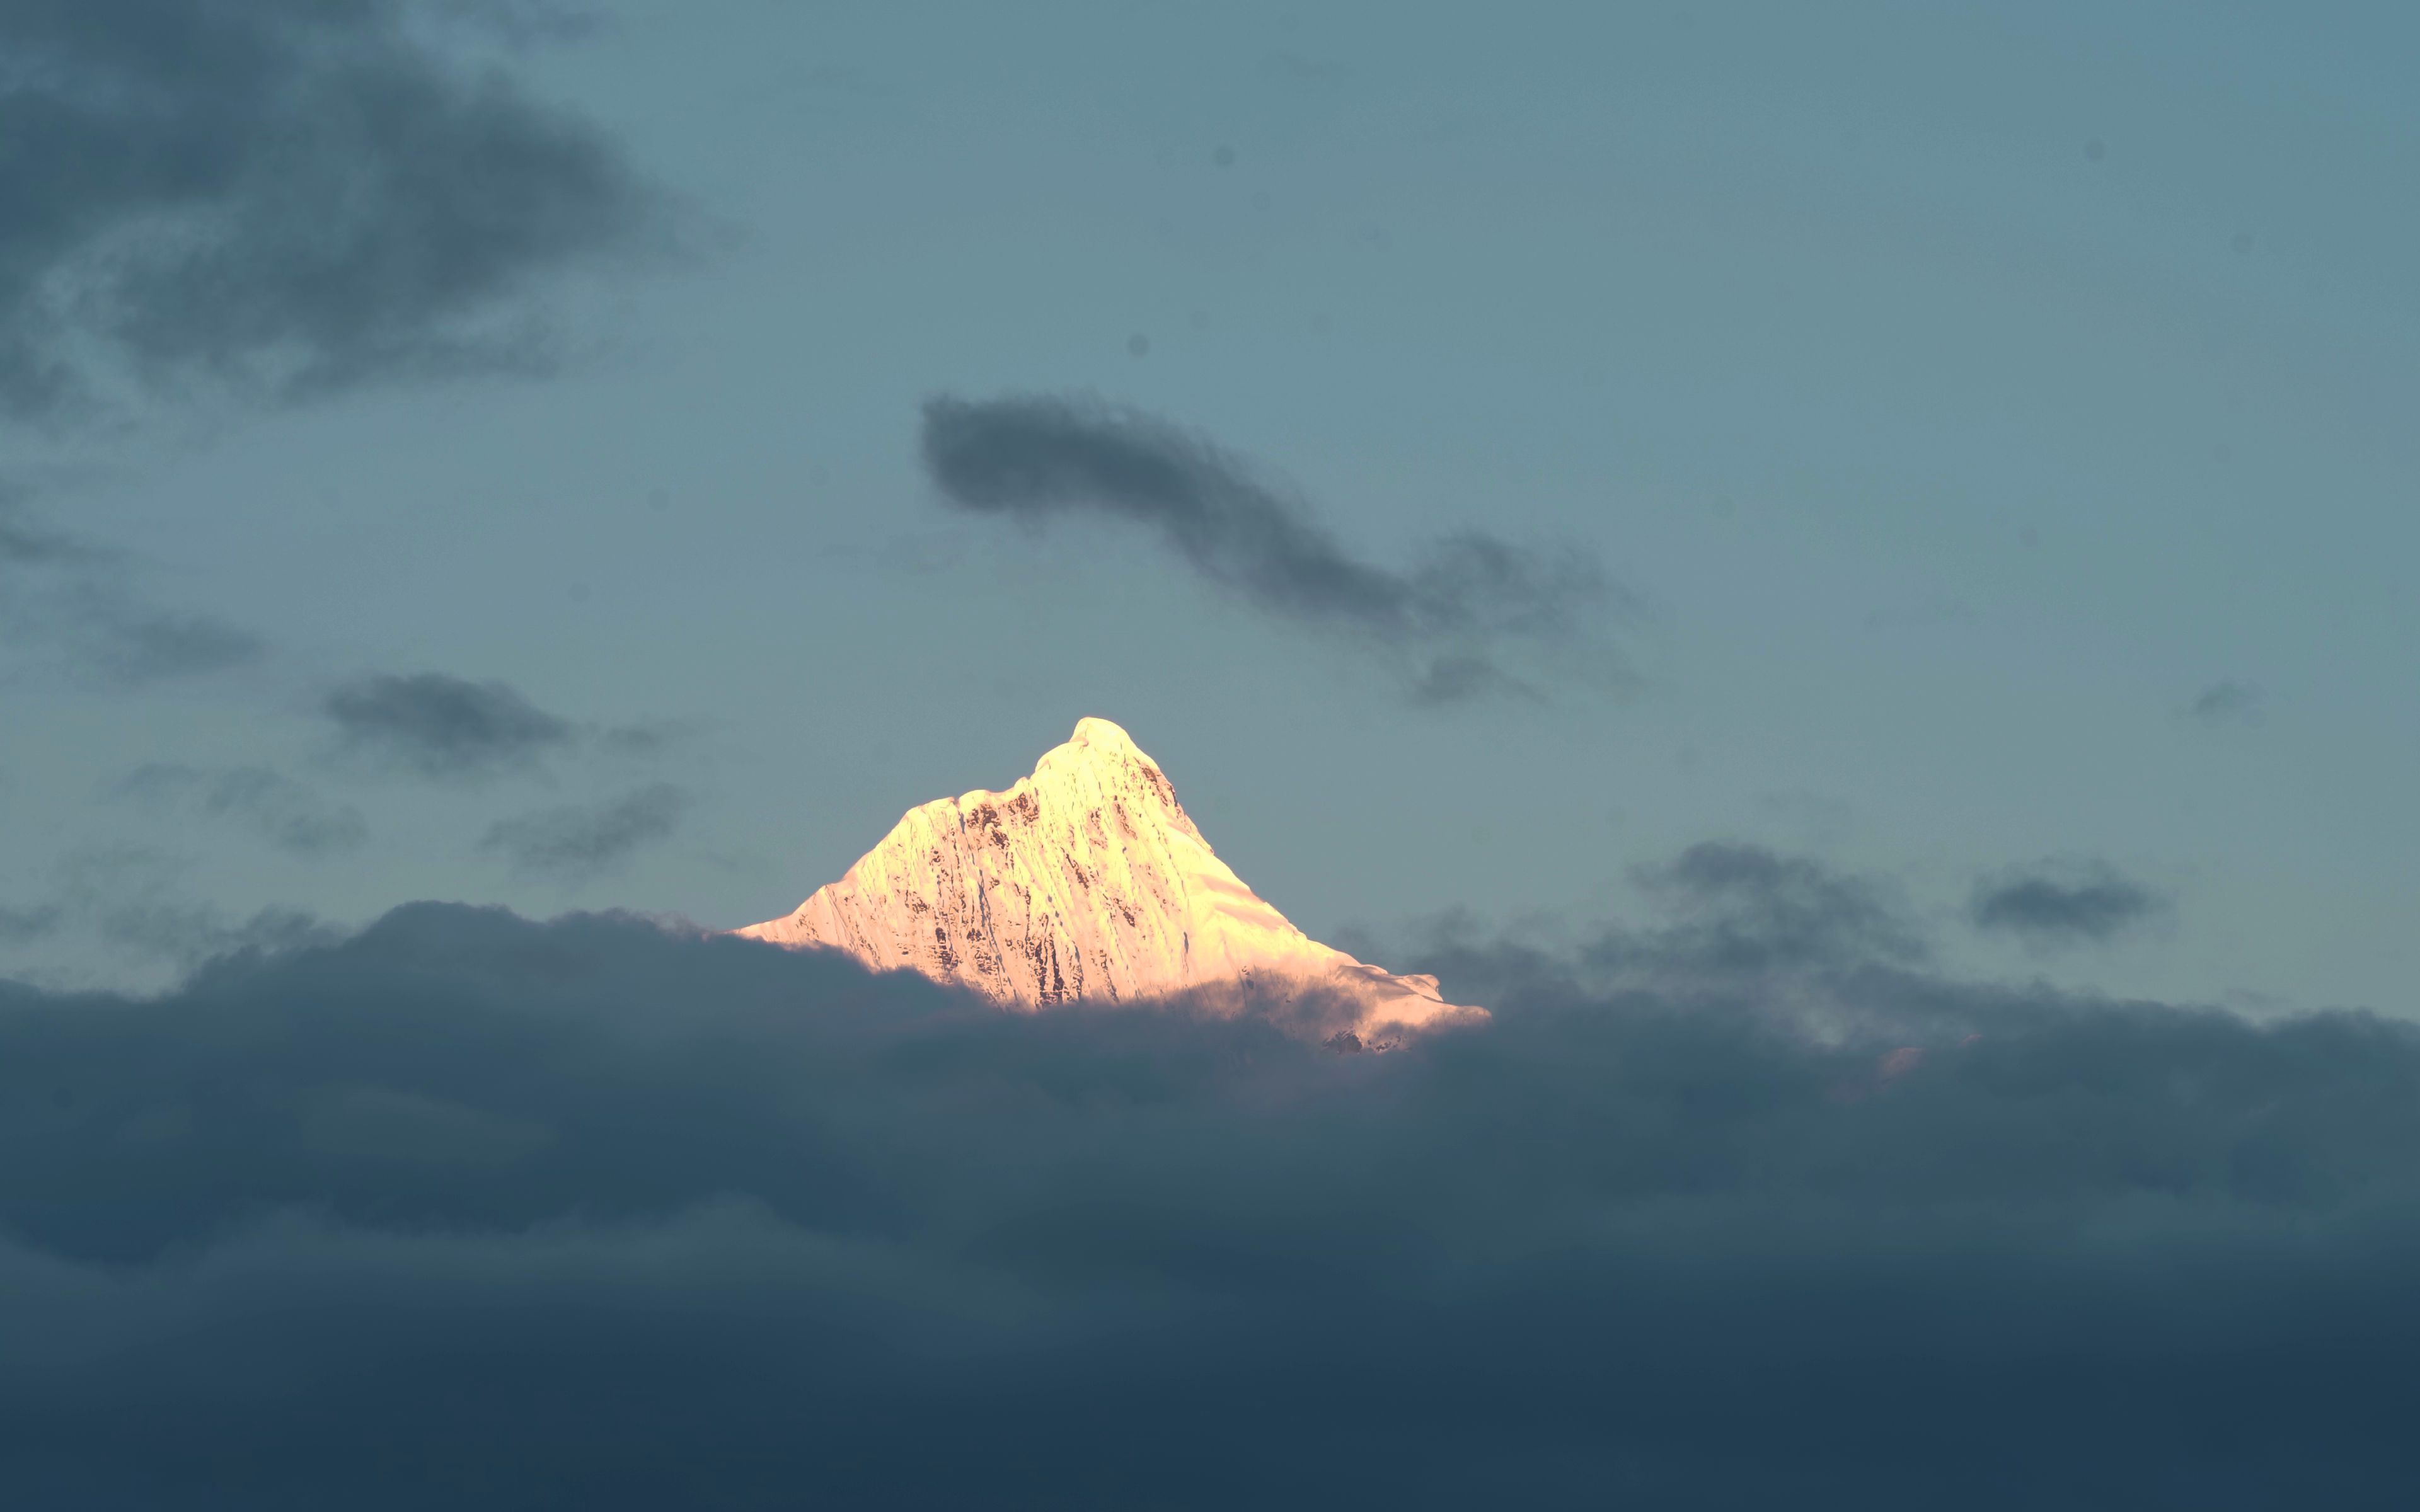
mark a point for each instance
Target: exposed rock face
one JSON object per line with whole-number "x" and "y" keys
{"x": 1085, "y": 880}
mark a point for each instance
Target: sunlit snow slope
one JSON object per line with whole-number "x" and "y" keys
{"x": 1085, "y": 880}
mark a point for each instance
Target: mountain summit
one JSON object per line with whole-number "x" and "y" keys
{"x": 1083, "y": 881}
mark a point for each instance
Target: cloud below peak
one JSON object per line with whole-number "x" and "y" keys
{"x": 470, "y": 1209}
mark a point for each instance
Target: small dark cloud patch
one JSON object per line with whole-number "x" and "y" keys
{"x": 475, "y": 1212}
{"x": 290, "y": 814}
{"x": 287, "y": 197}
{"x": 574, "y": 843}
{"x": 2229, "y": 701}
{"x": 1452, "y": 622}
{"x": 2055, "y": 904}
{"x": 444, "y": 727}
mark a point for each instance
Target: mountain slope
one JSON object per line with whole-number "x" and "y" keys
{"x": 1085, "y": 880}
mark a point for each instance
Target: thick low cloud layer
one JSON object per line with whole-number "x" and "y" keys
{"x": 1449, "y": 620}
{"x": 474, "y": 1211}
{"x": 294, "y": 195}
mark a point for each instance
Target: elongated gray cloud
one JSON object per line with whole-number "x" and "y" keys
{"x": 440, "y": 725}
{"x": 471, "y": 1209}
{"x": 1450, "y": 619}
{"x": 2086, "y": 902}
{"x": 291, "y": 195}
{"x": 573, "y": 842}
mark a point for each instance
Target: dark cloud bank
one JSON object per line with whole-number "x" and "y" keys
{"x": 1456, "y": 624}
{"x": 1743, "y": 1208}
{"x": 294, "y": 197}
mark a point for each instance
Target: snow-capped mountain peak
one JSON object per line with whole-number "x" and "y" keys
{"x": 1083, "y": 881}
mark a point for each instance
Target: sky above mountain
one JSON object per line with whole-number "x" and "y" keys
{"x": 630, "y": 455}
{"x": 1952, "y": 444}
{"x": 1843, "y": 571}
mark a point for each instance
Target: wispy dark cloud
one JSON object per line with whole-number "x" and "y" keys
{"x": 184, "y": 933}
{"x": 1734, "y": 907}
{"x": 291, "y": 815}
{"x": 19, "y": 926}
{"x": 2064, "y": 903}
{"x": 71, "y": 599}
{"x": 133, "y": 900}
{"x": 2228, "y": 702}
{"x": 290, "y": 196}
{"x": 440, "y": 725}
{"x": 501, "y": 1214}
{"x": 135, "y": 644}
{"x": 573, "y": 842}
{"x": 1455, "y": 621}
{"x": 27, "y": 541}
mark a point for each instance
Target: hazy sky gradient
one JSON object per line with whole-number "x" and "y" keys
{"x": 1997, "y": 417}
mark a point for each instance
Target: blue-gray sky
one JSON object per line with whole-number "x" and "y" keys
{"x": 1841, "y": 568}
{"x": 1987, "y": 422}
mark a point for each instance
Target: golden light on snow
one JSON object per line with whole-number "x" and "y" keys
{"x": 1083, "y": 881}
